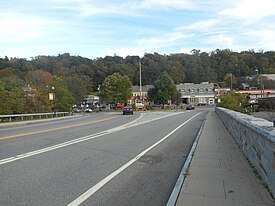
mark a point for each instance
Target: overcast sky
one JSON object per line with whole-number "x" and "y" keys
{"x": 96, "y": 28}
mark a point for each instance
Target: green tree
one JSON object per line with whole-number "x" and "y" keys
{"x": 12, "y": 97}
{"x": 235, "y": 101}
{"x": 63, "y": 98}
{"x": 116, "y": 88}
{"x": 4, "y": 109}
{"x": 164, "y": 89}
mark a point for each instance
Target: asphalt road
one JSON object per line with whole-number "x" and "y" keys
{"x": 96, "y": 159}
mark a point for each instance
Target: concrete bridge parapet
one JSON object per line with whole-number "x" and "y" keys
{"x": 256, "y": 138}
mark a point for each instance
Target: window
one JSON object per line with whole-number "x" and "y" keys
{"x": 201, "y": 90}
{"x": 202, "y": 100}
{"x": 183, "y": 90}
{"x": 210, "y": 89}
{"x": 192, "y": 90}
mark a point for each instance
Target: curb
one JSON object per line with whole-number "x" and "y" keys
{"x": 176, "y": 191}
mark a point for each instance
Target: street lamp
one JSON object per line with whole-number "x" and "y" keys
{"x": 218, "y": 93}
{"x": 261, "y": 81}
{"x": 54, "y": 114}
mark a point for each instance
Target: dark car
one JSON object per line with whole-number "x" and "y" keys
{"x": 190, "y": 107}
{"x": 128, "y": 110}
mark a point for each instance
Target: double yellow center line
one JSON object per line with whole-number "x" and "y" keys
{"x": 55, "y": 129}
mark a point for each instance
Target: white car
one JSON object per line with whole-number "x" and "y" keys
{"x": 88, "y": 110}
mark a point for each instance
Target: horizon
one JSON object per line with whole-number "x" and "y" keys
{"x": 71, "y": 55}
{"x": 94, "y": 29}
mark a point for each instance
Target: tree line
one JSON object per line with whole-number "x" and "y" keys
{"x": 25, "y": 84}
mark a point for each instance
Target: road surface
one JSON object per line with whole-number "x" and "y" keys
{"x": 96, "y": 159}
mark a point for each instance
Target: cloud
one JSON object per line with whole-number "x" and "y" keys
{"x": 162, "y": 44}
{"x": 85, "y": 8}
{"x": 18, "y": 29}
{"x": 248, "y": 9}
{"x": 202, "y": 25}
{"x": 265, "y": 38}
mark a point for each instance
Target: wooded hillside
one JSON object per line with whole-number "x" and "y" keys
{"x": 76, "y": 76}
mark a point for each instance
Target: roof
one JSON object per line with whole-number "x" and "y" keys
{"x": 269, "y": 76}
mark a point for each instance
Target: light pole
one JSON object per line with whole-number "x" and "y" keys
{"x": 140, "y": 85}
{"x": 218, "y": 93}
{"x": 261, "y": 81}
{"x": 54, "y": 114}
{"x": 231, "y": 82}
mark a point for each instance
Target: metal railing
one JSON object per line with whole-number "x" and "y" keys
{"x": 22, "y": 117}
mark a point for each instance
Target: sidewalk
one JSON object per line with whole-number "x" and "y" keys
{"x": 219, "y": 174}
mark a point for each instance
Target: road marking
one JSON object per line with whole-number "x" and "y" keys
{"x": 78, "y": 140}
{"x": 101, "y": 183}
{"x": 55, "y": 129}
{"x": 47, "y": 149}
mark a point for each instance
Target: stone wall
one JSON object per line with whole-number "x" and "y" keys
{"x": 256, "y": 138}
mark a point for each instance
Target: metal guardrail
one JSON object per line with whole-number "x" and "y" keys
{"x": 16, "y": 117}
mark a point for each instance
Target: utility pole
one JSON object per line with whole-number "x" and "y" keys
{"x": 231, "y": 82}
{"x": 54, "y": 112}
{"x": 140, "y": 85}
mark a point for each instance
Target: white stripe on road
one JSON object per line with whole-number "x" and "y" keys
{"x": 81, "y": 139}
{"x": 100, "y": 184}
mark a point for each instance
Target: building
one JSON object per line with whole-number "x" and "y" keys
{"x": 137, "y": 96}
{"x": 254, "y": 95}
{"x": 144, "y": 91}
{"x": 90, "y": 100}
{"x": 197, "y": 94}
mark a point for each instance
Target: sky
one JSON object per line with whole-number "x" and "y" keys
{"x": 97, "y": 28}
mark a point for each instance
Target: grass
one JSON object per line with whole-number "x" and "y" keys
{"x": 256, "y": 173}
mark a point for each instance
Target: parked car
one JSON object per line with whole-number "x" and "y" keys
{"x": 119, "y": 106}
{"x": 112, "y": 106}
{"x": 128, "y": 110}
{"x": 190, "y": 107}
{"x": 88, "y": 110}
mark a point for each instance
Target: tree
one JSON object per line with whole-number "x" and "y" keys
{"x": 164, "y": 89}
{"x": 235, "y": 101}
{"x": 116, "y": 88}
{"x": 63, "y": 98}
{"x": 11, "y": 96}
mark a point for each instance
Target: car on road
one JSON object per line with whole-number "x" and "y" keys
{"x": 128, "y": 110}
{"x": 190, "y": 107}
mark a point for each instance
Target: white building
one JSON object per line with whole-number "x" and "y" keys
{"x": 197, "y": 94}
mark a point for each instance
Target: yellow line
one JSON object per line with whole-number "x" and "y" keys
{"x": 55, "y": 129}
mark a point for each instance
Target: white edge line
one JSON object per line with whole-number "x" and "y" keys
{"x": 101, "y": 183}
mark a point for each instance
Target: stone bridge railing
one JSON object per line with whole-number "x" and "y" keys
{"x": 256, "y": 138}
